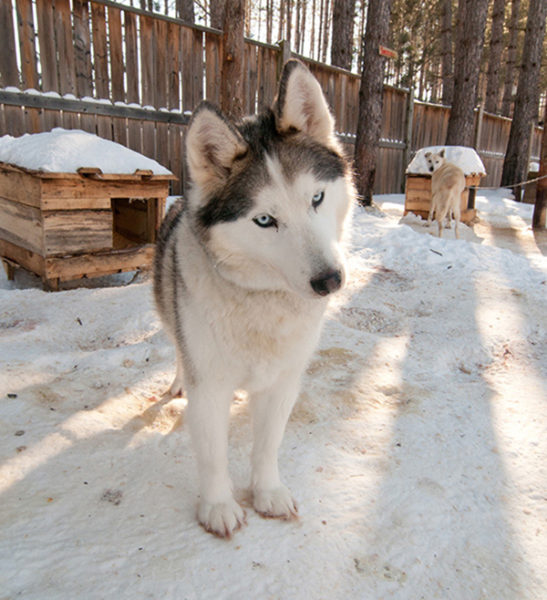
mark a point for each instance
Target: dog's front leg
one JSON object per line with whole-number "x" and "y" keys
{"x": 271, "y": 410}
{"x": 208, "y": 415}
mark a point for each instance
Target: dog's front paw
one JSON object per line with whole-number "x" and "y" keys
{"x": 221, "y": 519}
{"x": 276, "y": 503}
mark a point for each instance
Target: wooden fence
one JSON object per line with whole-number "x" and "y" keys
{"x": 134, "y": 77}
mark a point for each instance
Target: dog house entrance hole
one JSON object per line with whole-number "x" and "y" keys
{"x": 134, "y": 221}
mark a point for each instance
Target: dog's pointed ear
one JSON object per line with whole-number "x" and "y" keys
{"x": 300, "y": 104}
{"x": 441, "y": 153}
{"x": 212, "y": 145}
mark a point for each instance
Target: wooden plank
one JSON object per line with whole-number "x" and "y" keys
{"x": 100, "y": 51}
{"x": 131, "y": 57}
{"x": 82, "y": 49}
{"x": 21, "y": 225}
{"x": 160, "y": 60}
{"x": 173, "y": 67}
{"x": 20, "y": 187}
{"x": 76, "y": 203}
{"x": 116, "y": 54}
{"x": 89, "y": 188}
{"x": 65, "y": 47}
{"x": 32, "y": 261}
{"x": 119, "y": 128}
{"x": 162, "y": 144}
{"x": 72, "y": 231}
{"x": 25, "y": 24}
{"x": 197, "y": 67}
{"x": 176, "y": 162}
{"x": 147, "y": 59}
{"x": 212, "y": 67}
{"x": 134, "y": 135}
{"x": 9, "y": 74}
{"x": 93, "y": 265}
{"x": 187, "y": 67}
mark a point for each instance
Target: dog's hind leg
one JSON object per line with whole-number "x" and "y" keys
{"x": 208, "y": 414}
{"x": 457, "y": 218}
{"x": 271, "y": 410}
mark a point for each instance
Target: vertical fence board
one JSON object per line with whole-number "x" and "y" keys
{"x": 9, "y": 74}
{"x": 212, "y": 66}
{"x": 134, "y": 134}
{"x": 25, "y": 25}
{"x": 100, "y": 51}
{"x": 131, "y": 57}
{"x": 147, "y": 59}
{"x": 160, "y": 69}
{"x": 65, "y": 47}
{"x": 82, "y": 48}
{"x": 187, "y": 68}
{"x": 197, "y": 68}
{"x": 116, "y": 54}
{"x": 46, "y": 40}
{"x": 173, "y": 67}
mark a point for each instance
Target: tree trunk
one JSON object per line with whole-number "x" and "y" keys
{"x": 326, "y": 30}
{"x": 231, "y": 79}
{"x": 185, "y": 10}
{"x": 371, "y": 94}
{"x": 539, "y": 220}
{"x": 494, "y": 61}
{"x": 470, "y": 40}
{"x": 342, "y": 33}
{"x": 320, "y": 34}
{"x": 303, "y": 26}
{"x": 511, "y": 62}
{"x": 515, "y": 165}
{"x": 447, "y": 54}
{"x": 216, "y": 9}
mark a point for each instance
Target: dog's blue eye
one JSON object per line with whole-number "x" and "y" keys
{"x": 317, "y": 199}
{"x": 265, "y": 221}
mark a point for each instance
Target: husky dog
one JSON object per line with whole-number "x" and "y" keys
{"x": 243, "y": 271}
{"x": 447, "y": 185}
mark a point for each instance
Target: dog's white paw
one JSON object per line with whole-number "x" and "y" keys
{"x": 275, "y": 504}
{"x": 221, "y": 519}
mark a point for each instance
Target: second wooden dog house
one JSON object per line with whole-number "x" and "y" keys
{"x": 418, "y": 180}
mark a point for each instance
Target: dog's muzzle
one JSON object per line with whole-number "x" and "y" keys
{"x": 327, "y": 282}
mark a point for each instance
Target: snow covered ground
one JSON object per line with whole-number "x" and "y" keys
{"x": 417, "y": 450}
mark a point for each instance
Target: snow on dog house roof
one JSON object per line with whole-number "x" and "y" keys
{"x": 66, "y": 151}
{"x": 465, "y": 158}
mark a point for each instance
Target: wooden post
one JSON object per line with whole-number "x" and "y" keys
{"x": 231, "y": 77}
{"x": 478, "y": 128}
{"x": 409, "y": 124}
{"x": 283, "y": 56}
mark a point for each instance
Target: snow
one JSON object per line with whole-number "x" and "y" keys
{"x": 65, "y": 151}
{"x": 416, "y": 450}
{"x": 465, "y": 158}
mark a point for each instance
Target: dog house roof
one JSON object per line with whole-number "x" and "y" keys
{"x": 465, "y": 158}
{"x": 67, "y": 151}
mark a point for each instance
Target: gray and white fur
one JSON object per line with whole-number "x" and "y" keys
{"x": 244, "y": 268}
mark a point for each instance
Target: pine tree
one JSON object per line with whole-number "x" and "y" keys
{"x": 515, "y": 165}
{"x": 371, "y": 94}
{"x": 494, "y": 61}
{"x": 467, "y": 60}
{"x": 343, "y": 15}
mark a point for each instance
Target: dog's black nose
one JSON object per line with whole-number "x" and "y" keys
{"x": 327, "y": 282}
{"x": 431, "y": 169}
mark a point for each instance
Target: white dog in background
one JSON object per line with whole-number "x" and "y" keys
{"x": 447, "y": 185}
{"x": 244, "y": 269}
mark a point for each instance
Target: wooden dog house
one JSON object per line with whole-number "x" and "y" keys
{"x": 65, "y": 226}
{"x": 418, "y": 196}
{"x": 418, "y": 181}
